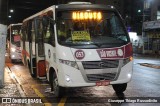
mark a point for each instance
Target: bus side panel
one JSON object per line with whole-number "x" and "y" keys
{"x": 27, "y": 50}
{"x": 21, "y": 48}
{"x": 66, "y": 71}
{"x": 50, "y": 58}
{"x": 125, "y": 74}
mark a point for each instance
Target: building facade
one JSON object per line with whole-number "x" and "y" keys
{"x": 155, "y": 10}
{"x": 151, "y": 28}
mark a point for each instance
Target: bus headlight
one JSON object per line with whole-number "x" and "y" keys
{"x": 70, "y": 63}
{"x": 13, "y": 49}
{"x": 127, "y": 60}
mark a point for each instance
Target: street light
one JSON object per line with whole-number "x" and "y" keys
{"x": 11, "y": 10}
{"x": 139, "y": 11}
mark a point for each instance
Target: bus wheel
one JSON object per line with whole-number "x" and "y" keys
{"x": 119, "y": 88}
{"x": 58, "y": 90}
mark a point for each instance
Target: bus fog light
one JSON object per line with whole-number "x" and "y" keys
{"x": 129, "y": 75}
{"x": 13, "y": 49}
{"x": 13, "y": 56}
{"x": 67, "y": 78}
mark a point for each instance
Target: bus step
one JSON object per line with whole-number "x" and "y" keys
{"x": 42, "y": 78}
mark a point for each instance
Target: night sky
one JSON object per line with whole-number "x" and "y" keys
{"x": 25, "y": 8}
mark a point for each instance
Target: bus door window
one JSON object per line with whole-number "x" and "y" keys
{"x": 46, "y": 32}
{"x": 49, "y": 35}
{"x": 52, "y": 34}
{"x": 29, "y": 28}
{"x": 39, "y": 34}
{"x": 23, "y": 38}
{"x": 33, "y": 38}
{"x": 24, "y": 34}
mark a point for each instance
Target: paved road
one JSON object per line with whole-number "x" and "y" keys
{"x": 145, "y": 83}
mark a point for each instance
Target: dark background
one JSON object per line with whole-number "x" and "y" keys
{"x": 25, "y": 8}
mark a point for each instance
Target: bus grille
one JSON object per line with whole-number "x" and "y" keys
{"x": 100, "y": 64}
{"x": 104, "y": 76}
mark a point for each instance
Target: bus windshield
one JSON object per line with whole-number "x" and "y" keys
{"x": 90, "y": 29}
{"x": 15, "y": 35}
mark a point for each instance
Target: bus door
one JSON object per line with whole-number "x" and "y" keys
{"x": 40, "y": 55}
{"x": 32, "y": 42}
{"x": 23, "y": 45}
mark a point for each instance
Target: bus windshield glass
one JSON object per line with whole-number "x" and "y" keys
{"x": 90, "y": 29}
{"x": 15, "y": 35}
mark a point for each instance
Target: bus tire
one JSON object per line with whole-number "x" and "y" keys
{"x": 119, "y": 88}
{"x": 58, "y": 90}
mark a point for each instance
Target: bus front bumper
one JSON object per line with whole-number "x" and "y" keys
{"x": 73, "y": 77}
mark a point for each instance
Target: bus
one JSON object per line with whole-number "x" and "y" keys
{"x": 13, "y": 42}
{"x": 78, "y": 44}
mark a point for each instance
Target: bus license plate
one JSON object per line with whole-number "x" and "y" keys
{"x": 102, "y": 83}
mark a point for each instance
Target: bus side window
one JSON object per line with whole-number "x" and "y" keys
{"x": 46, "y": 32}
{"x": 29, "y": 28}
{"x": 24, "y": 33}
{"x": 33, "y": 32}
{"x": 49, "y": 36}
{"x": 52, "y": 37}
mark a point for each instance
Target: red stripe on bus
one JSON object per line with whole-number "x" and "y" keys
{"x": 41, "y": 70}
{"x": 25, "y": 53}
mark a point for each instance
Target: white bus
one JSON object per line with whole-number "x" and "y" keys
{"x": 13, "y": 43}
{"x": 78, "y": 45}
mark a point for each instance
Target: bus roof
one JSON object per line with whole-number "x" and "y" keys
{"x": 40, "y": 13}
{"x": 85, "y": 6}
{"x": 71, "y": 6}
{"x": 14, "y": 24}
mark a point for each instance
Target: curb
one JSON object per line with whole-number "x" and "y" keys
{"x": 19, "y": 87}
